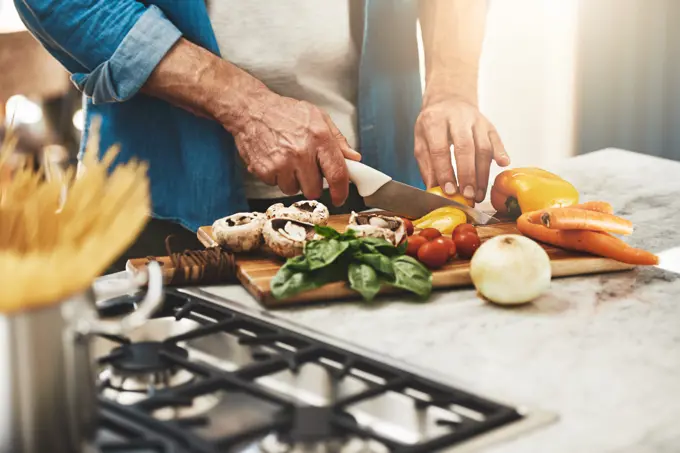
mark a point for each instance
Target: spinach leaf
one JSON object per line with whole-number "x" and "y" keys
{"x": 323, "y": 252}
{"x": 288, "y": 282}
{"x": 364, "y": 280}
{"x": 365, "y": 262}
{"x": 349, "y": 234}
{"x": 355, "y": 245}
{"x": 401, "y": 249}
{"x": 298, "y": 263}
{"x": 363, "y": 247}
{"x": 331, "y": 233}
{"x": 326, "y": 231}
{"x": 377, "y": 261}
{"x": 412, "y": 276}
{"x": 377, "y": 242}
{"x": 379, "y": 245}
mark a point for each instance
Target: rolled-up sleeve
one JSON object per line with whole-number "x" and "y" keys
{"x": 110, "y": 47}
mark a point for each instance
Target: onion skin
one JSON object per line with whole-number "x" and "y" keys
{"x": 510, "y": 270}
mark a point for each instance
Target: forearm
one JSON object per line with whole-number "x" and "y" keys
{"x": 110, "y": 48}
{"x": 453, "y": 32}
{"x": 205, "y": 84}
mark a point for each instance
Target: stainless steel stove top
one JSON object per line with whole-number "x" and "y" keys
{"x": 208, "y": 376}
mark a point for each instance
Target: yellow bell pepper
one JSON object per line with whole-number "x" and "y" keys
{"x": 520, "y": 190}
{"x": 444, "y": 219}
{"x": 456, "y": 197}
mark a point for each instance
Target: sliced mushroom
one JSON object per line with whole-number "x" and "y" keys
{"x": 391, "y": 229}
{"x": 287, "y": 237}
{"x": 241, "y": 232}
{"x": 308, "y": 211}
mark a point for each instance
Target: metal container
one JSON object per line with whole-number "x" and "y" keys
{"x": 47, "y": 385}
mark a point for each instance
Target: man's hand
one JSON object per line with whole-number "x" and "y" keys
{"x": 453, "y": 32}
{"x": 293, "y": 144}
{"x": 446, "y": 120}
{"x": 283, "y": 142}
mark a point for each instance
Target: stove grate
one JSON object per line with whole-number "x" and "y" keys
{"x": 293, "y": 420}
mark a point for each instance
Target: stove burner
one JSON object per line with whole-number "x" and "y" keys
{"x": 135, "y": 371}
{"x": 145, "y": 357}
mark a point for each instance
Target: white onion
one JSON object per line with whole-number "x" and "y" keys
{"x": 510, "y": 269}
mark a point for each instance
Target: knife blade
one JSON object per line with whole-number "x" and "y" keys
{"x": 380, "y": 191}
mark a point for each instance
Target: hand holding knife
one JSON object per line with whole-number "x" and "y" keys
{"x": 380, "y": 191}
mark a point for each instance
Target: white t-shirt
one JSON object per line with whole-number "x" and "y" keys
{"x": 301, "y": 49}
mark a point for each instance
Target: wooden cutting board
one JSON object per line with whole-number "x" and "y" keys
{"x": 256, "y": 271}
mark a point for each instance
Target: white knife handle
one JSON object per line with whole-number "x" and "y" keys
{"x": 368, "y": 180}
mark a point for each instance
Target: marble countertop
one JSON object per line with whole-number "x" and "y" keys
{"x": 603, "y": 352}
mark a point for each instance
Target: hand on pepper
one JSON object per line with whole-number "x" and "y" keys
{"x": 446, "y": 120}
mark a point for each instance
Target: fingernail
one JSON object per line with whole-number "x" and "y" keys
{"x": 480, "y": 196}
{"x": 469, "y": 193}
{"x": 449, "y": 188}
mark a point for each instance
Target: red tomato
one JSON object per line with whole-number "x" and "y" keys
{"x": 409, "y": 226}
{"x": 414, "y": 243}
{"x": 463, "y": 228}
{"x": 430, "y": 233}
{"x": 467, "y": 244}
{"x": 434, "y": 254}
{"x": 449, "y": 243}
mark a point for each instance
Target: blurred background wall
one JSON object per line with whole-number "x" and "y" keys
{"x": 528, "y": 76}
{"x": 629, "y": 77}
{"x": 558, "y": 78}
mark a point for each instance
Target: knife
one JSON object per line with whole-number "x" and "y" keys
{"x": 380, "y": 191}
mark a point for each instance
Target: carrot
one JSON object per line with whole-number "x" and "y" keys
{"x": 582, "y": 219}
{"x": 593, "y": 242}
{"x": 597, "y": 206}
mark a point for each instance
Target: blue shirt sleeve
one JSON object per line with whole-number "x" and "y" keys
{"x": 109, "y": 47}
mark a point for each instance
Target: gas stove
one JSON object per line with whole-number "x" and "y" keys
{"x": 207, "y": 375}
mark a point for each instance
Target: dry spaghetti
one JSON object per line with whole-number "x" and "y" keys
{"x": 51, "y": 245}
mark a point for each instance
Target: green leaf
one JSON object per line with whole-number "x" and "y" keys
{"x": 288, "y": 282}
{"x": 298, "y": 263}
{"x": 355, "y": 245}
{"x": 377, "y": 242}
{"x": 323, "y": 252}
{"x": 379, "y": 245}
{"x": 326, "y": 231}
{"x": 412, "y": 276}
{"x": 348, "y": 234}
{"x": 367, "y": 248}
{"x": 377, "y": 261}
{"x": 364, "y": 280}
{"x": 401, "y": 250}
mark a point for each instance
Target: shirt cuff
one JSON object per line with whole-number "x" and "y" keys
{"x": 123, "y": 75}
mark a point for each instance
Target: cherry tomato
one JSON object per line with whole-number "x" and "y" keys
{"x": 430, "y": 233}
{"x": 449, "y": 243}
{"x": 434, "y": 254}
{"x": 414, "y": 243}
{"x": 409, "y": 226}
{"x": 464, "y": 228}
{"x": 467, "y": 244}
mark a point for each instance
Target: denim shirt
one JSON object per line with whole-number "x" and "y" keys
{"x": 111, "y": 48}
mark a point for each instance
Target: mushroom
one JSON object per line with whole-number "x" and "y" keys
{"x": 392, "y": 229}
{"x": 307, "y": 211}
{"x": 287, "y": 237}
{"x": 241, "y": 232}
